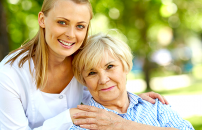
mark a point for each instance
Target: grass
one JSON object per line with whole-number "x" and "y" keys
{"x": 195, "y": 88}
{"x": 196, "y": 121}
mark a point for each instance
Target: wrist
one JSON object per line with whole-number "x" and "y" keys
{"x": 122, "y": 125}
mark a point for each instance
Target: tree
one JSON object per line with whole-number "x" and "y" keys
{"x": 140, "y": 21}
{"x": 4, "y": 49}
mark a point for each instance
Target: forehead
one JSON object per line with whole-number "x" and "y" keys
{"x": 70, "y": 9}
{"x": 107, "y": 57}
{"x": 99, "y": 61}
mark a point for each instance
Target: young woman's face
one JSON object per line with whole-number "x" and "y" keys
{"x": 107, "y": 81}
{"x": 65, "y": 27}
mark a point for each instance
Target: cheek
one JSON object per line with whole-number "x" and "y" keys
{"x": 53, "y": 30}
{"x": 121, "y": 78}
{"x": 91, "y": 84}
{"x": 56, "y": 31}
{"x": 82, "y": 36}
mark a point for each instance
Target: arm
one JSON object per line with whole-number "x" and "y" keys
{"x": 14, "y": 114}
{"x": 115, "y": 122}
{"x": 100, "y": 119}
{"x": 130, "y": 125}
{"x": 151, "y": 96}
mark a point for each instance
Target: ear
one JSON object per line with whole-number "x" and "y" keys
{"x": 41, "y": 19}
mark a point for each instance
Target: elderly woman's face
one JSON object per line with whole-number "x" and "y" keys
{"x": 107, "y": 81}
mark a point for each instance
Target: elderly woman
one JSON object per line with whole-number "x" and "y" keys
{"x": 103, "y": 70}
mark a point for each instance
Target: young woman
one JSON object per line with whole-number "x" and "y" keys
{"x": 37, "y": 86}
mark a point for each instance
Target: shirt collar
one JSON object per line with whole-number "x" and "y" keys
{"x": 134, "y": 100}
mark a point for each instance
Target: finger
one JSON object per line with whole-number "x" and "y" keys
{"x": 166, "y": 101}
{"x": 86, "y": 121}
{"x": 91, "y": 126}
{"x": 88, "y": 108}
{"x": 156, "y": 95}
{"x": 84, "y": 115}
{"x": 149, "y": 99}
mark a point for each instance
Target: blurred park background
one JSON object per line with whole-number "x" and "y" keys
{"x": 165, "y": 37}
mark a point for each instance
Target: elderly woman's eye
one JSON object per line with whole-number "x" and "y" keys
{"x": 61, "y": 22}
{"x": 110, "y": 66}
{"x": 91, "y": 73}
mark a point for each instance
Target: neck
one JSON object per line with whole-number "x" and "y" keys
{"x": 55, "y": 61}
{"x": 120, "y": 105}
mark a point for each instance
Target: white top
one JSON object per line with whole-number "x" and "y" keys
{"x": 24, "y": 107}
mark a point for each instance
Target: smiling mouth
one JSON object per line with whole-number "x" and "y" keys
{"x": 107, "y": 89}
{"x": 66, "y": 43}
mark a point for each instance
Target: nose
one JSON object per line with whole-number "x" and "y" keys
{"x": 70, "y": 32}
{"x": 103, "y": 78}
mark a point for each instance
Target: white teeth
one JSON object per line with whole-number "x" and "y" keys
{"x": 65, "y": 43}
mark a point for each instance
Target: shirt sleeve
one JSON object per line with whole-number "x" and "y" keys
{"x": 170, "y": 118}
{"x": 12, "y": 112}
{"x": 86, "y": 96}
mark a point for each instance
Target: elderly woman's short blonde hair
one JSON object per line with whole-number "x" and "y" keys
{"x": 93, "y": 50}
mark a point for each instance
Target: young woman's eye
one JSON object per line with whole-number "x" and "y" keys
{"x": 91, "y": 73}
{"x": 110, "y": 66}
{"x": 61, "y": 22}
{"x": 80, "y": 26}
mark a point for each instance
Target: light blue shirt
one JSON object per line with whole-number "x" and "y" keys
{"x": 144, "y": 112}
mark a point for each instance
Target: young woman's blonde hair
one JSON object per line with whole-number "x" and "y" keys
{"x": 37, "y": 47}
{"x": 92, "y": 53}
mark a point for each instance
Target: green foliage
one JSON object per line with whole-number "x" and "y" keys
{"x": 146, "y": 25}
{"x": 140, "y": 21}
{"x": 21, "y": 20}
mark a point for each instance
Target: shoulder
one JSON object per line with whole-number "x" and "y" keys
{"x": 75, "y": 85}
{"x": 12, "y": 76}
{"x": 142, "y": 105}
{"x": 168, "y": 117}
{"x": 8, "y": 57}
{"x": 11, "y": 70}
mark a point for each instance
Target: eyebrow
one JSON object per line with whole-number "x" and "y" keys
{"x": 105, "y": 65}
{"x": 69, "y": 20}
{"x": 110, "y": 62}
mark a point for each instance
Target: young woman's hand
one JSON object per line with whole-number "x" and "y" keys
{"x": 74, "y": 111}
{"x": 150, "y": 96}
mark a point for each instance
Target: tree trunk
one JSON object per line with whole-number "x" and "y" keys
{"x": 147, "y": 49}
{"x": 4, "y": 48}
{"x": 146, "y": 69}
